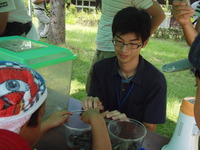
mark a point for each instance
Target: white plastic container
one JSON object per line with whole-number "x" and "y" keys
{"x": 79, "y": 135}
{"x": 126, "y": 135}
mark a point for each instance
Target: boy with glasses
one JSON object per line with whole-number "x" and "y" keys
{"x": 127, "y": 82}
{"x": 104, "y": 46}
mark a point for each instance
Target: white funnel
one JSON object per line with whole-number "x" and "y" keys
{"x": 185, "y": 136}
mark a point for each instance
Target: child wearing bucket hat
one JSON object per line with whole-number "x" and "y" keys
{"x": 22, "y": 102}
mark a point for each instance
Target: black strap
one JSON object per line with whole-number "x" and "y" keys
{"x": 194, "y": 21}
{"x": 45, "y": 6}
{"x": 39, "y": 9}
{"x": 27, "y": 26}
{"x": 16, "y": 28}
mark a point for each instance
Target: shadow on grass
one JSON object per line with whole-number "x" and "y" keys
{"x": 81, "y": 66}
{"x": 166, "y": 129}
{"x": 79, "y": 95}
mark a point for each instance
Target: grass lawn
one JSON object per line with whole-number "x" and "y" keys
{"x": 81, "y": 41}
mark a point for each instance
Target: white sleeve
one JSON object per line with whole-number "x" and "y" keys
{"x": 143, "y": 4}
{"x": 7, "y": 5}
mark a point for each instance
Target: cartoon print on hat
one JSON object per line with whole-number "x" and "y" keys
{"x": 22, "y": 91}
{"x": 18, "y": 88}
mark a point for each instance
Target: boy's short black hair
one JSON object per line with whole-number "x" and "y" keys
{"x": 34, "y": 119}
{"x": 33, "y": 122}
{"x": 132, "y": 20}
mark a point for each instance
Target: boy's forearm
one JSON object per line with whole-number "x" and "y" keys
{"x": 100, "y": 134}
{"x": 45, "y": 126}
{"x": 157, "y": 15}
{"x": 190, "y": 33}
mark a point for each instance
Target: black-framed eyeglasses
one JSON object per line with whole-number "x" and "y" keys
{"x": 122, "y": 44}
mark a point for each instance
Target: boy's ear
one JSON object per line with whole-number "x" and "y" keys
{"x": 145, "y": 43}
{"x": 24, "y": 127}
{"x": 25, "y": 130}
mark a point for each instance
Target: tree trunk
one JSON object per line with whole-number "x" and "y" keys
{"x": 57, "y": 26}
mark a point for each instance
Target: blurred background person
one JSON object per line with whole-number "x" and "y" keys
{"x": 39, "y": 7}
{"x": 14, "y": 20}
{"x": 182, "y": 13}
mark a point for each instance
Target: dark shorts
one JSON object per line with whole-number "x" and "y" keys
{"x": 16, "y": 28}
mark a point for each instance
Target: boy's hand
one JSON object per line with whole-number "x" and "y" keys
{"x": 115, "y": 115}
{"x": 92, "y": 102}
{"x": 182, "y": 12}
{"x": 90, "y": 114}
{"x": 57, "y": 118}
